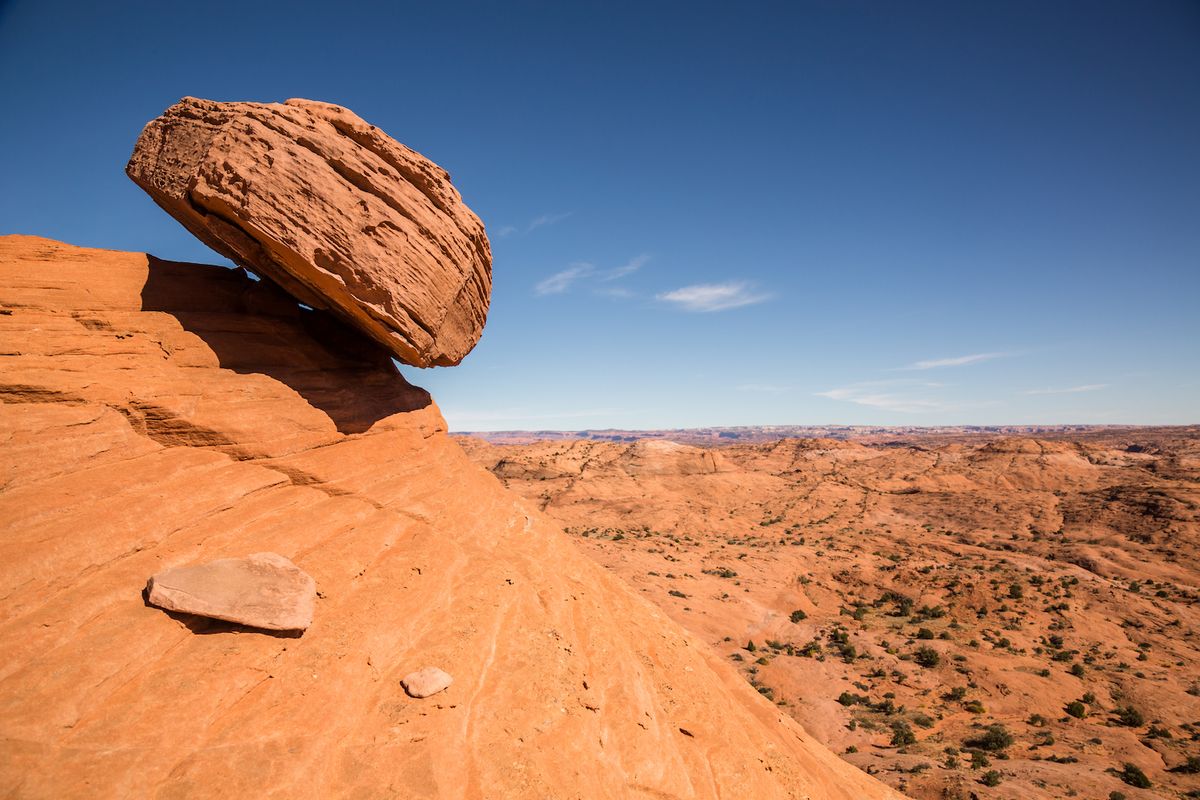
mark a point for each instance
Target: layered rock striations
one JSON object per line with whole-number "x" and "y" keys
{"x": 156, "y": 415}
{"x": 333, "y": 210}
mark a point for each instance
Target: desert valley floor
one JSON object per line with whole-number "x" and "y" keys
{"x": 959, "y": 615}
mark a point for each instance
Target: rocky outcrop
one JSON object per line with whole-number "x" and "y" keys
{"x": 263, "y": 590}
{"x": 333, "y": 210}
{"x": 157, "y": 414}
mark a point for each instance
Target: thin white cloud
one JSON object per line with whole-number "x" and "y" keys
{"x": 888, "y": 401}
{"x": 546, "y": 219}
{"x": 903, "y": 395}
{"x": 628, "y": 268}
{"x": 1089, "y": 387}
{"x": 957, "y": 361}
{"x": 560, "y": 282}
{"x": 521, "y": 418}
{"x": 618, "y": 292}
{"x": 504, "y": 231}
{"x": 764, "y": 388}
{"x": 704, "y": 297}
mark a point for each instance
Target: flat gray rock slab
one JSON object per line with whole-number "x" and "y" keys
{"x": 264, "y": 590}
{"x": 426, "y": 681}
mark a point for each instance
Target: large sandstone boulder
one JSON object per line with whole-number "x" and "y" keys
{"x": 333, "y": 210}
{"x": 264, "y": 590}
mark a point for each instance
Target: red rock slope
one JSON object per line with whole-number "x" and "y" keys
{"x": 158, "y": 414}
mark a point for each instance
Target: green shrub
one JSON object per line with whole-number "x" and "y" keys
{"x": 1189, "y": 767}
{"x": 1130, "y": 717}
{"x": 798, "y": 616}
{"x": 995, "y": 739}
{"x": 1132, "y": 775}
{"x": 902, "y": 734}
{"x": 927, "y": 657}
{"x": 990, "y": 778}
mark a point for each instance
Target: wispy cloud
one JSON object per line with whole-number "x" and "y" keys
{"x": 957, "y": 361}
{"x": 763, "y": 388}
{"x": 705, "y": 297}
{"x": 560, "y": 282}
{"x": 628, "y": 268}
{"x": 618, "y": 292}
{"x": 541, "y": 221}
{"x": 906, "y": 396}
{"x": 523, "y": 418}
{"x": 546, "y": 219}
{"x": 1088, "y": 387}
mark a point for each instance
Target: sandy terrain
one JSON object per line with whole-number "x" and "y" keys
{"x": 899, "y": 599}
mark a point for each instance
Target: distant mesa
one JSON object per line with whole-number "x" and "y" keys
{"x": 333, "y": 210}
{"x": 264, "y": 590}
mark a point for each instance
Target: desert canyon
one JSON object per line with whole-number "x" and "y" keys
{"x": 160, "y": 415}
{"x": 945, "y": 610}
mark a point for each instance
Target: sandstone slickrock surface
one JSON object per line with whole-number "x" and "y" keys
{"x": 426, "y": 681}
{"x": 264, "y": 590}
{"x": 944, "y": 581}
{"x": 333, "y": 210}
{"x": 157, "y": 414}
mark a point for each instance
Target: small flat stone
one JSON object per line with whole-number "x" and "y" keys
{"x": 426, "y": 681}
{"x": 264, "y": 590}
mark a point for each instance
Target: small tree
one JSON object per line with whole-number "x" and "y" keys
{"x": 927, "y": 657}
{"x": 995, "y": 739}
{"x": 1130, "y": 717}
{"x": 1134, "y": 776}
{"x": 902, "y": 734}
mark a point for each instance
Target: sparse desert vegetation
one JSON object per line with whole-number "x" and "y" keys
{"x": 955, "y": 614}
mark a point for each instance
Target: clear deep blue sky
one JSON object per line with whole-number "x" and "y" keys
{"x": 793, "y": 213}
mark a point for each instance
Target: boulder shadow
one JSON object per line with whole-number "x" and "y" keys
{"x": 207, "y": 626}
{"x": 254, "y": 327}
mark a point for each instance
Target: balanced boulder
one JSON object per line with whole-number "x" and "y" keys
{"x": 333, "y": 210}
{"x": 264, "y": 590}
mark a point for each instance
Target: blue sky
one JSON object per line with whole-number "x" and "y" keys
{"x": 911, "y": 213}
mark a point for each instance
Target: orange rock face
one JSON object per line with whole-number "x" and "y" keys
{"x": 333, "y": 210}
{"x": 157, "y": 414}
